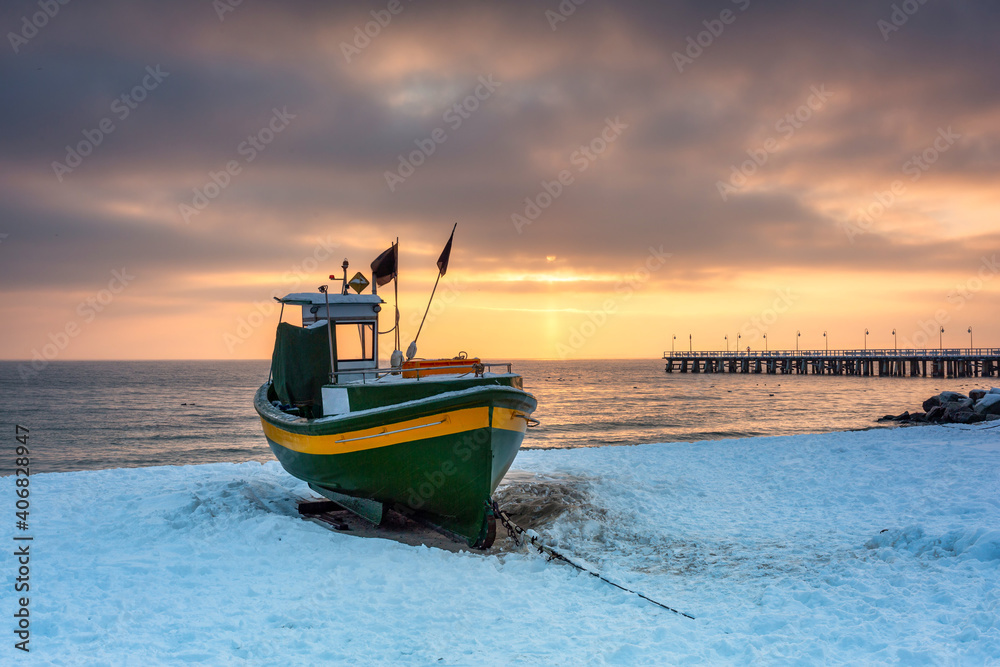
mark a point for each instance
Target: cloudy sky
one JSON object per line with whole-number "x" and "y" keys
{"x": 620, "y": 172}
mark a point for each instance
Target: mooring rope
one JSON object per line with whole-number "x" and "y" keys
{"x": 958, "y": 427}
{"x": 515, "y": 530}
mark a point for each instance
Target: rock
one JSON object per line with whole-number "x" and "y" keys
{"x": 944, "y": 398}
{"x": 965, "y": 416}
{"x": 935, "y": 414}
{"x": 988, "y": 405}
{"x": 953, "y": 409}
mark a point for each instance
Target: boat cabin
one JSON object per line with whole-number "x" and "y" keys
{"x": 354, "y": 320}
{"x": 336, "y": 349}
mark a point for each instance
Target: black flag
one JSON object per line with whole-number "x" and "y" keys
{"x": 446, "y": 253}
{"x": 384, "y": 266}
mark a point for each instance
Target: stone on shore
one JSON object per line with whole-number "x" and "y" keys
{"x": 951, "y": 407}
{"x": 988, "y": 405}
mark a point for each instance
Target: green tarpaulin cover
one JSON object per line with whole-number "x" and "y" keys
{"x": 300, "y": 365}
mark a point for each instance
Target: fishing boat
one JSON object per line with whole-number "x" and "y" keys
{"x": 430, "y": 438}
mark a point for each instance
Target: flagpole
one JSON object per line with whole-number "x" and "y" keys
{"x": 442, "y": 265}
{"x": 395, "y": 287}
{"x": 420, "y": 328}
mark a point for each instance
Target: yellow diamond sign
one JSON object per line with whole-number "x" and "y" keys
{"x": 358, "y": 282}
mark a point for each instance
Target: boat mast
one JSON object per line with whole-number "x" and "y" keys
{"x": 329, "y": 335}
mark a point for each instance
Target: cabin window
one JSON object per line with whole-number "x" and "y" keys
{"x": 355, "y": 341}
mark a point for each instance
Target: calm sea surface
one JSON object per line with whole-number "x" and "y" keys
{"x": 91, "y": 415}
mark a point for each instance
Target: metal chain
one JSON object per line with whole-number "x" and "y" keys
{"x": 515, "y": 531}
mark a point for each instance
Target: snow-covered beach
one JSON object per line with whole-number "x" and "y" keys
{"x": 878, "y": 546}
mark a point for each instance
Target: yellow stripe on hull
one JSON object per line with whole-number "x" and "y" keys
{"x": 449, "y": 423}
{"x": 509, "y": 420}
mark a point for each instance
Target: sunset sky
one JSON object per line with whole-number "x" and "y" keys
{"x": 620, "y": 173}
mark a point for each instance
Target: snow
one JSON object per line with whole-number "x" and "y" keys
{"x": 843, "y": 548}
{"x": 986, "y": 402}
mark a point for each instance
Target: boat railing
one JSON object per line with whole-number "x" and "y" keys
{"x": 478, "y": 369}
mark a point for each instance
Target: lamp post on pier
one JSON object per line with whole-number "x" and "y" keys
{"x": 970, "y": 338}
{"x": 866, "y": 339}
{"x": 798, "y": 335}
{"x": 672, "y": 345}
{"x": 895, "y": 346}
{"x": 941, "y": 339}
{"x": 826, "y": 341}
{"x": 690, "y": 344}
{"x": 727, "y": 343}
{"x": 738, "y": 342}
{"x": 765, "y": 342}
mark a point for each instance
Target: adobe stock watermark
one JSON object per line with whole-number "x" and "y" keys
{"x": 471, "y": 443}
{"x": 448, "y": 293}
{"x": 563, "y": 11}
{"x": 915, "y": 168}
{"x": 965, "y": 292}
{"x": 758, "y": 325}
{"x": 292, "y": 279}
{"x": 927, "y": 332}
{"x": 248, "y": 149}
{"x": 581, "y": 158}
{"x": 223, "y": 7}
{"x": 365, "y": 34}
{"x": 87, "y": 311}
{"x": 787, "y": 126}
{"x": 898, "y": 17}
{"x": 580, "y": 335}
{"x": 454, "y": 116}
{"x": 697, "y": 44}
{"x": 30, "y": 25}
{"x": 122, "y": 108}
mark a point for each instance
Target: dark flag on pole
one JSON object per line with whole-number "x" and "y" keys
{"x": 384, "y": 267}
{"x": 446, "y": 253}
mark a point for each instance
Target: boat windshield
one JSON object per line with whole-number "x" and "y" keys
{"x": 355, "y": 341}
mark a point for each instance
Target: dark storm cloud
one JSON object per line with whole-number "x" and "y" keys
{"x": 656, "y": 184}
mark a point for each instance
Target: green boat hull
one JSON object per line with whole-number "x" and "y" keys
{"x": 441, "y": 456}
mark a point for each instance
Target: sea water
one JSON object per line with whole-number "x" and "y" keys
{"x": 88, "y": 415}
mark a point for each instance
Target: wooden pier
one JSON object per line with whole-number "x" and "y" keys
{"x": 951, "y": 363}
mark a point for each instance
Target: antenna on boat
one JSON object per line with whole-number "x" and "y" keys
{"x": 385, "y": 268}
{"x": 329, "y": 331}
{"x": 281, "y": 316}
{"x": 442, "y": 265}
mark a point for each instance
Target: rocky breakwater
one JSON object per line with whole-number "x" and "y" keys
{"x": 951, "y": 407}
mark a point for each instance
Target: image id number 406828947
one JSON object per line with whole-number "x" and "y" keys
{"x": 22, "y": 540}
